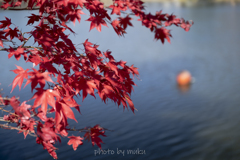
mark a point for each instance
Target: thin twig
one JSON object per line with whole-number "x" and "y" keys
{"x": 8, "y": 111}
{"x": 31, "y": 133}
{"x": 26, "y": 40}
{"x": 26, "y": 8}
{"x": 5, "y": 49}
{"x": 87, "y": 129}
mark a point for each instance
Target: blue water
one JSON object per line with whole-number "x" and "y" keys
{"x": 201, "y": 123}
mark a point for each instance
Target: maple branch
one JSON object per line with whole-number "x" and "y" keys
{"x": 14, "y": 43}
{"x": 5, "y": 49}
{"x": 108, "y": 21}
{"x": 19, "y": 9}
{"x": 4, "y": 126}
{"x": 8, "y": 112}
{"x": 1, "y": 119}
{"x": 26, "y": 40}
{"x": 5, "y": 98}
{"x": 80, "y": 130}
{"x": 88, "y": 129}
{"x": 121, "y": 11}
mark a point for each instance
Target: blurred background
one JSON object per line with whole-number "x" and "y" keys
{"x": 188, "y": 2}
{"x": 200, "y": 122}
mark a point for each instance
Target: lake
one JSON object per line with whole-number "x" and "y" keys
{"x": 200, "y": 123}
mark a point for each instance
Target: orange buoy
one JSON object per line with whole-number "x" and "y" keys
{"x": 184, "y": 78}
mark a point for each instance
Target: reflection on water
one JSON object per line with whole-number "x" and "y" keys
{"x": 200, "y": 124}
{"x": 184, "y": 89}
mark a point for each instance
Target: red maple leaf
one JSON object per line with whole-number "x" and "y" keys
{"x": 47, "y": 136}
{"x": 94, "y": 134}
{"x": 96, "y": 22}
{"x": 87, "y": 87}
{"x": 15, "y": 104}
{"x": 71, "y": 102}
{"x": 134, "y": 70}
{"x": 172, "y": 20}
{"x": 26, "y": 126}
{"x": 63, "y": 111}
{"x": 77, "y": 2}
{"x": 44, "y": 36}
{"x": 113, "y": 66}
{"x": 11, "y": 32}
{"x": 47, "y": 131}
{"x": 62, "y": 130}
{"x": 186, "y": 25}
{"x": 45, "y": 97}
{"x": 108, "y": 55}
{"x": 125, "y": 21}
{"x": 34, "y": 58}
{"x": 130, "y": 103}
{"x": 41, "y": 115}
{"x": 5, "y": 23}
{"x": 23, "y": 110}
{"x": 75, "y": 141}
{"x": 88, "y": 47}
{"x": 50, "y": 148}
{"x": 33, "y": 18}
{"x": 162, "y": 33}
{"x": 115, "y": 9}
{"x": 46, "y": 40}
{"x": 118, "y": 29}
{"x": 18, "y": 80}
{"x": 68, "y": 41}
{"x": 17, "y": 53}
{"x": 118, "y": 6}
{"x": 38, "y": 77}
{"x": 73, "y": 15}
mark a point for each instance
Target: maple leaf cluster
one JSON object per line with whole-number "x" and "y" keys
{"x": 88, "y": 71}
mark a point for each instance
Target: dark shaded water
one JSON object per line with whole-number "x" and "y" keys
{"x": 201, "y": 124}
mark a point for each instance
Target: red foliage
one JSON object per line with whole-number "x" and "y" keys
{"x": 18, "y": 80}
{"x": 93, "y": 135}
{"x": 75, "y": 141}
{"x": 90, "y": 72}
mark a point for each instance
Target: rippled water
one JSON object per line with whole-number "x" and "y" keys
{"x": 202, "y": 123}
